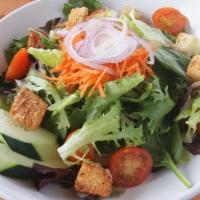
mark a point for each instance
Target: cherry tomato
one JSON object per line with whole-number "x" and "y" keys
{"x": 169, "y": 20}
{"x": 130, "y": 166}
{"x": 81, "y": 152}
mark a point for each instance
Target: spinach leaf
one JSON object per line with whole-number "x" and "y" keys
{"x": 167, "y": 152}
{"x": 173, "y": 61}
{"x": 14, "y": 47}
{"x": 176, "y": 85}
{"x": 77, "y": 118}
{"x": 90, "y": 4}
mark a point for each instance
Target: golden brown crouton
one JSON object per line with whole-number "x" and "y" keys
{"x": 193, "y": 69}
{"x": 77, "y": 16}
{"x": 28, "y": 109}
{"x": 94, "y": 179}
{"x": 35, "y": 40}
{"x": 187, "y": 44}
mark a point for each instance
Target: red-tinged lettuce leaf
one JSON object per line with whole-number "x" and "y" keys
{"x": 51, "y": 24}
{"x": 84, "y": 196}
{"x": 194, "y": 147}
{"x": 43, "y": 175}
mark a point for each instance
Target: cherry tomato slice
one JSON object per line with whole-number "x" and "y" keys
{"x": 130, "y": 166}
{"x": 169, "y": 20}
{"x": 81, "y": 152}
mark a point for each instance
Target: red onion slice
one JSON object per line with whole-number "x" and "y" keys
{"x": 106, "y": 41}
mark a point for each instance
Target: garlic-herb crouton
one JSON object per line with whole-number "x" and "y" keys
{"x": 193, "y": 69}
{"x": 187, "y": 44}
{"x": 35, "y": 40}
{"x": 28, "y": 109}
{"x": 77, "y": 16}
{"x": 94, "y": 179}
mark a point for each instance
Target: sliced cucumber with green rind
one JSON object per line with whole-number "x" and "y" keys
{"x": 18, "y": 172}
{"x": 21, "y": 147}
{"x": 18, "y": 166}
{"x": 38, "y": 144}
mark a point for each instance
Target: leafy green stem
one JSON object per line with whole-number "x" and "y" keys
{"x": 172, "y": 166}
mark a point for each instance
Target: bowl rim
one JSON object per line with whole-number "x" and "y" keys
{"x": 3, "y": 19}
{"x": 190, "y": 193}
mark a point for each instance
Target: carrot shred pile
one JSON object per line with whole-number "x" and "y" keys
{"x": 88, "y": 80}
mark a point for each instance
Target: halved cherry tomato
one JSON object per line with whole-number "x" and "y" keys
{"x": 169, "y": 20}
{"x": 81, "y": 152}
{"x": 19, "y": 65}
{"x": 130, "y": 166}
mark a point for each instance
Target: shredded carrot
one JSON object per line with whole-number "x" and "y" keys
{"x": 88, "y": 80}
{"x": 97, "y": 83}
{"x": 101, "y": 91}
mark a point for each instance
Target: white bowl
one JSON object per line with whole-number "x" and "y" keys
{"x": 162, "y": 185}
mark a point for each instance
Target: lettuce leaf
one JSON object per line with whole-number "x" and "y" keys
{"x": 104, "y": 128}
{"x": 138, "y": 94}
{"x": 154, "y": 109}
{"x": 48, "y": 57}
{"x": 114, "y": 90}
{"x": 147, "y": 32}
{"x": 153, "y": 34}
{"x": 49, "y": 93}
{"x": 132, "y": 26}
{"x": 191, "y": 114}
{"x": 66, "y": 101}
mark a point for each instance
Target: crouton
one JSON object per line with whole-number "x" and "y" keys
{"x": 77, "y": 16}
{"x": 28, "y": 109}
{"x": 132, "y": 13}
{"x": 94, "y": 179}
{"x": 35, "y": 40}
{"x": 193, "y": 69}
{"x": 187, "y": 44}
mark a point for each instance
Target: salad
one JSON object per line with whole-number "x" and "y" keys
{"x": 100, "y": 99}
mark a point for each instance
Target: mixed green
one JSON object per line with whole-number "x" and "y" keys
{"x": 132, "y": 112}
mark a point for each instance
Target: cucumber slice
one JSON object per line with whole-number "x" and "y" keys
{"x": 18, "y": 166}
{"x": 36, "y": 144}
